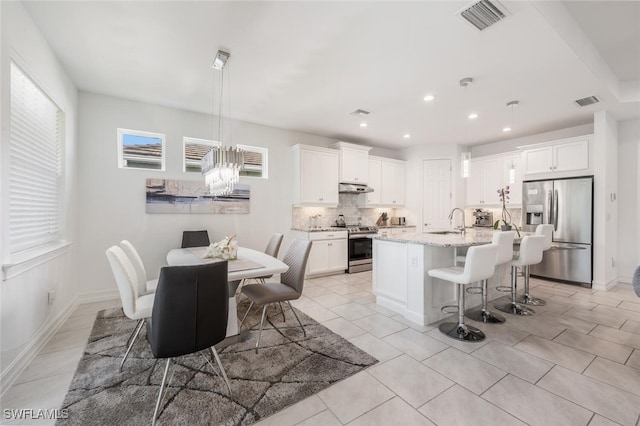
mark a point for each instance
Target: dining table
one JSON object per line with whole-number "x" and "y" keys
{"x": 249, "y": 263}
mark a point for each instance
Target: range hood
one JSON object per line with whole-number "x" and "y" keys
{"x": 352, "y": 188}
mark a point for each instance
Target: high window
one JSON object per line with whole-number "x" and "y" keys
{"x": 255, "y": 161}
{"x": 140, "y": 150}
{"x": 35, "y": 165}
{"x": 194, "y": 150}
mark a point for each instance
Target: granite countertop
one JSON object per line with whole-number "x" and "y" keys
{"x": 472, "y": 237}
{"x": 321, "y": 229}
{"x": 395, "y": 226}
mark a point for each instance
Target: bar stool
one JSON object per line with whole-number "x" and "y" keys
{"x": 480, "y": 264}
{"x": 530, "y": 254}
{"x": 547, "y": 232}
{"x": 504, "y": 241}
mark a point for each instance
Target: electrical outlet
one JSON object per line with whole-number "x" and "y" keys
{"x": 51, "y": 296}
{"x": 414, "y": 262}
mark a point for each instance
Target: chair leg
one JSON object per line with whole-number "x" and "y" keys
{"x": 161, "y": 393}
{"x": 514, "y": 307}
{"x": 460, "y": 330}
{"x": 304, "y": 332}
{"x": 264, "y": 312}
{"x": 483, "y": 314}
{"x": 214, "y": 355}
{"x": 526, "y": 298}
{"x": 245, "y": 317}
{"x": 132, "y": 340}
{"x": 282, "y": 310}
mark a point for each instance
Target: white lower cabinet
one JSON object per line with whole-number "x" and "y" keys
{"x": 329, "y": 252}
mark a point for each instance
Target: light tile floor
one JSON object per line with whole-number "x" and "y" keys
{"x": 576, "y": 362}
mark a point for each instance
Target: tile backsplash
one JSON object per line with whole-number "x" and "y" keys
{"x": 347, "y": 206}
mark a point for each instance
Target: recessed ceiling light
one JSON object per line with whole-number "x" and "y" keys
{"x": 429, "y": 98}
{"x": 506, "y": 129}
{"x": 473, "y": 116}
{"x": 363, "y": 124}
{"x": 406, "y": 136}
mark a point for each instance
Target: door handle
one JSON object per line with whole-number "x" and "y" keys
{"x": 550, "y": 209}
{"x": 555, "y": 210}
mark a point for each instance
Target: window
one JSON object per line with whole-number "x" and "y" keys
{"x": 140, "y": 150}
{"x": 194, "y": 150}
{"x": 255, "y": 161}
{"x": 35, "y": 165}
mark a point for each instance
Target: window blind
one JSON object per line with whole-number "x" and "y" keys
{"x": 35, "y": 165}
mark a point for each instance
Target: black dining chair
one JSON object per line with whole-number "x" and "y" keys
{"x": 189, "y": 315}
{"x": 195, "y": 239}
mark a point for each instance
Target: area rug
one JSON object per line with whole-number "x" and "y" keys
{"x": 288, "y": 368}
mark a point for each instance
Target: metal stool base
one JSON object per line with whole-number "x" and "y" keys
{"x": 514, "y": 308}
{"x": 485, "y": 316}
{"x": 462, "y": 332}
{"x": 528, "y": 299}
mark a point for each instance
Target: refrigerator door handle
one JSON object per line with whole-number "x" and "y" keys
{"x": 566, "y": 247}
{"x": 550, "y": 204}
{"x": 555, "y": 210}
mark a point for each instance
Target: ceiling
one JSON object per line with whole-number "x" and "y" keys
{"x": 305, "y": 66}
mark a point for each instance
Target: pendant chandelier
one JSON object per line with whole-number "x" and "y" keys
{"x": 222, "y": 164}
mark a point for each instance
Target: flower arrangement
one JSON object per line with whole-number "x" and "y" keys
{"x": 503, "y": 193}
{"x": 227, "y": 248}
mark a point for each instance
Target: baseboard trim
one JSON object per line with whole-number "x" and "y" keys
{"x": 625, "y": 279}
{"x": 601, "y": 286}
{"x": 42, "y": 337}
{"x": 46, "y": 332}
{"x": 98, "y": 296}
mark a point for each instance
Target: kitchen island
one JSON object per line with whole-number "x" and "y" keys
{"x": 400, "y": 272}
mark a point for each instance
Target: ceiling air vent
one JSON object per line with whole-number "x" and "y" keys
{"x": 360, "y": 113}
{"x": 589, "y": 100}
{"x": 483, "y": 14}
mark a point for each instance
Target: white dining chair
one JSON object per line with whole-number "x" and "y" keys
{"x": 135, "y": 306}
{"x": 144, "y": 286}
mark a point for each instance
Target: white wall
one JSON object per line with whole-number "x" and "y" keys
{"x": 112, "y": 200}
{"x": 27, "y": 319}
{"x": 605, "y": 232}
{"x": 628, "y": 198}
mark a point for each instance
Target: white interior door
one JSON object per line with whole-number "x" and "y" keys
{"x": 436, "y": 195}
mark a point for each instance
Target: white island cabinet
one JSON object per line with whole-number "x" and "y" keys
{"x": 400, "y": 273}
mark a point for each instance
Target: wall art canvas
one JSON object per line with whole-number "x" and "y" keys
{"x": 188, "y": 196}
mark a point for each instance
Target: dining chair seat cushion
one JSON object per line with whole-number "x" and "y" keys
{"x": 261, "y": 294}
{"x": 144, "y": 306}
{"x": 152, "y": 285}
{"x": 451, "y": 273}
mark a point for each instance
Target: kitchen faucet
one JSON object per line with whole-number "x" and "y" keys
{"x": 451, "y": 218}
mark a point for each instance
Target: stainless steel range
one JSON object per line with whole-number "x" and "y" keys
{"x": 360, "y": 248}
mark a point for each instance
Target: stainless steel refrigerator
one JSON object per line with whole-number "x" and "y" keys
{"x": 567, "y": 204}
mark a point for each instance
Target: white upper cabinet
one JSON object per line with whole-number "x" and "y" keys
{"x": 387, "y": 178}
{"x": 392, "y": 186}
{"x": 354, "y": 163}
{"x": 485, "y": 178}
{"x": 562, "y": 156}
{"x": 488, "y": 174}
{"x": 315, "y": 180}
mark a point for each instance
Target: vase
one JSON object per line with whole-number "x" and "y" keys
{"x": 505, "y": 228}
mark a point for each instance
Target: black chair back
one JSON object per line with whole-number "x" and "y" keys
{"x": 190, "y": 309}
{"x": 195, "y": 239}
